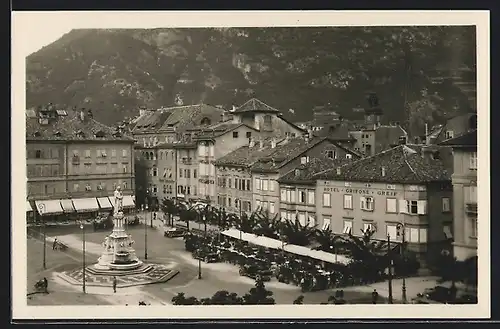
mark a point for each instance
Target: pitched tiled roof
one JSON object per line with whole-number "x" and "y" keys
{"x": 70, "y": 127}
{"x": 401, "y": 164}
{"x": 468, "y": 139}
{"x": 151, "y": 121}
{"x": 338, "y": 133}
{"x": 305, "y": 172}
{"x": 388, "y": 135}
{"x": 218, "y": 129}
{"x": 246, "y": 156}
{"x": 255, "y": 105}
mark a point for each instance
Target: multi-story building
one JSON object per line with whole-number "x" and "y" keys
{"x": 465, "y": 203}
{"x": 407, "y": 188}
{"x": 298, "y": 190}
{"x": 454, "y": 127}
{"x": 234, "y": 178}
{"x": 187, "y": 170}
{"x": 74, "y": 162}
{"x": 287, "y": 155}
{"x": 374, "y": 138}
{"x": 253, "y": 119}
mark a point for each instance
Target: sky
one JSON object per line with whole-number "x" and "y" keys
{"x": 50, "y": 35}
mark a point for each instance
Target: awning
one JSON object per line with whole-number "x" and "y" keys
{"x": 67, "y": 206}
{"x": 49, "y": 207}
{"x": 104, "y": 203}
{"x": 316, "y": 254}
{"x": 128, "y": 201}
{"x": 28, "y": 207}
{"x": 86, "y": 204}
{"x": 253, "y": 239}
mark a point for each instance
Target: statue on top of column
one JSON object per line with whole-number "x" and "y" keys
{"x": 118, "y": 206}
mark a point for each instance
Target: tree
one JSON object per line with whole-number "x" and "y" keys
{"x": 297, "y": 233}
{"x": 328, "y": 241}
{"x": 169, "y": 208}
{"x": 223, "y": 297}
{"x": 245, "y": 223}
{"x": 258, "y": 295}
{"x": 369, "y": 257}
{"x": 266, "y": 225}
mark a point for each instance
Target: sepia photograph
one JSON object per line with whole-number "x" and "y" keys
{"x": 286, "y": 166}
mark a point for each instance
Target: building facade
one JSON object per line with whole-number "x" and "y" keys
{"x": 465, "y": 205}
{"x": 399, "y": 190}
{"x": 70, "y": 156}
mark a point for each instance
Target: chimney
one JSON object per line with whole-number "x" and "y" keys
{"x": 252, "y": 142}
{"x": 82, "y": 114}
{"x": 383, "y": 171}
{"x": 273, "y": 143}
{"x": 339, "y": 172}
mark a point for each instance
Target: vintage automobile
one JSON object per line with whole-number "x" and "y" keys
{"x": 208, "y": 256}
{"x": 173, "y": 232}
{"x": 254, "y": 271}
{"x": 132, "y": 221}
{"x": 103, "y": 222}
{"x": 442, "y": 295}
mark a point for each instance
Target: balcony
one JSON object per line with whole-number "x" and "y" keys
{"x": 471, "y": 208}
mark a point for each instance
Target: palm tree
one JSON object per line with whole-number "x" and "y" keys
{"x": 328, "y": 241}
{"x": 247, "y": 224}
{"x": 266, "y": 225}
{"x": 169, "y": 208}
{"x": 369, "y": 257}
{"x": 297, "y": 233}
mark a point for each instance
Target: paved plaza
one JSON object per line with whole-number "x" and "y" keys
{"x": 169, "y": 252}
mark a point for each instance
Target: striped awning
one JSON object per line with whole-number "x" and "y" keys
{"x": 49, "y": 207}
{"x": 86, "y": 204}
{"x": 128, "y": 201}
{"x": 67, "y": 205}
{"x": 104, "y": 203}
{"x": 28, "y": 207}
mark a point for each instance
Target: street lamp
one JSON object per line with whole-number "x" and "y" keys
{"x": 199, "y": 258}
{"x": 390, "y": 267}
{"x": 145, "y": 236}
{"x": 41, "y": 206}
{"x": 83, "y": 258}
{"x": 401, "y": 228}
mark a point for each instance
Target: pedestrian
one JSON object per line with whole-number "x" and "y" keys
{"x": 46, "y": 285}
{"x": 54, "y": 244}
{"x": 114, "y": 284}
{"x": 374, "y": 296}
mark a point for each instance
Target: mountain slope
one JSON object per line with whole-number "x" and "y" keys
{"x": 116, "y": 71}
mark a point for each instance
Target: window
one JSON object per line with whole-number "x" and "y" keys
{"x": 124, "y": 153}
{"x": 416, "y": 235}
{"x": 347, "y": 201}
{"x": 347, "y": 227}
{"x": 292, "y": 195}
{"x": 257, "y": 204}
{"x": 283, "y": 195}
{"x": 473, "y": 160}
{"x": 391, "y": 205}
{"x": 283, "y": 215}
{"x": 366, "y": 203}
{"x": 326, "y": 223}
{"x": 249, "y": 134}
{"x": 235, "y": 134}
{"x": 257, "y": 183}
{"x": 413, "y": 207}
{"x": 125, "y": 169}
{"x": 229, "y": 183}
{"x": 446, "y": 204}
{"x": 348, "y": 156}
{"x": 243, "y": 181}
{"x": 304, "y": 160}
{"x": 271, "y": 207}
{"x": 38, "y": 154}
{"x": 392, "y": 231}
{"x": 180, "y": 173}
{"x": 302, "y": 196}
{"x": 423, "y": 235}
{"x": 155, "y": 189}
{"x": 76, "y": 187}
{"x": 87, "y": 153}
{"x": 271, "y": 185}
{"x": 265, "y": 184}
{"x": 331, "y": 154}
{"x": 310, "y": 197}
{"x": 449, "y": 134}
{"x": 473, "y": 227}
{"x": 447, "y": 230}
{"x": 194, "y": 173}
{"x": 368, "y": 227}
{"x": 326, "y": 200}
{"x": 248, "y": 185}
{"x": 302, "y": 219}
{"x": 188, "y": 173}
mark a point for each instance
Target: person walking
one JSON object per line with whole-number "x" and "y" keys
{"x": 374, "y": 296}
{"x": 46, "y": 285}
{"x": 54, "y": 244}
{"x": 114, "y": 284}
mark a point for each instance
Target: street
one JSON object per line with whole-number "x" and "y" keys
{"x": 215, "y": 276}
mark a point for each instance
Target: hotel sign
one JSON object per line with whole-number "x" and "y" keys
{"x": 359, "y": 191}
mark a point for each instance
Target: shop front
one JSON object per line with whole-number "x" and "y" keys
{"x": 128, "y": 204}
{"x": 30, "y": 214}
{"x": 87, "y": 209}
{"x": 69, "y": 211}
{"x": 51, "y": 211}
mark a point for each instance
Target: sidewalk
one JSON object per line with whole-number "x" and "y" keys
{"x": 74, "y": 242}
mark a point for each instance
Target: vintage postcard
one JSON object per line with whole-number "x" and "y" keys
{"x": 238, "y": 165}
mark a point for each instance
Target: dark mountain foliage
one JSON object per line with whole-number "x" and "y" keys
{"x": 117, "y": 71}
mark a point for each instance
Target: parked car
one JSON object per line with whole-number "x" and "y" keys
{"x": 132, "y": 221}
{"x": 173, "y": 232}
{"x": 208, "y": 256}
{"x": 103, "y": 223}
{"x": 254, "y": 271}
